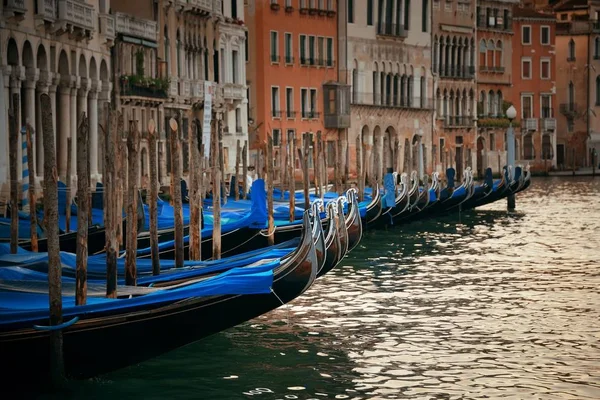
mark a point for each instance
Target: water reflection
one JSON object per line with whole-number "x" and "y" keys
{"x": 481, "y": 304}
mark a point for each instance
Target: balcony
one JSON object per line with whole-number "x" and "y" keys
{"x": 46, "y": 11}
{"x": 393, "y": 30}
{"x": 548, "y": 124}
{"x": 455, "y": 121}
{"x": 391, "y": 101}
{"x": 174, "y": 87}
{"x": 233, "y": 91}
{"x": 289, "y": 60}
{"x": 289, "y": 114}
{"x": 336, "y": 105}
{"x": 185, "y": 89}
{"x": 276, "y": 113}
{"x": 107, "y": 26}
{"x": 458, "y": 72}
{"x": 495, "y": 121}
{"x": 310, "y": 114}
{"x": 577, "y": 27}
{"x": 138, "y": 27}
{"x": 141, "y": 86}
{"x": 14, "y": 8}
{"x": 197, "y": 89}
{"x": 497, "y": 23}
{"x": 275, "y": 58}
{"x": 77, "y": 17}
{"x": 568, "y": 109}
{"x": 201, "y": 6}
{"x": 529, "y": 124}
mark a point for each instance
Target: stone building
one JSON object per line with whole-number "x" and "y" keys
{"x": 62, "y": 48}
{"x": 454, "y": 59}
{"x": 494, "y": 81}
{"x": 577, "y": 82}
{"x": 534, "y": 87}
{"x": 388, "y": 64}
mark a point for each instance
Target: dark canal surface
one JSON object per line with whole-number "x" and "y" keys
{"x": 487, "y": 304}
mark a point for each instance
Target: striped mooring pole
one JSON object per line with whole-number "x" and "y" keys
{"x": 25, "y": 183}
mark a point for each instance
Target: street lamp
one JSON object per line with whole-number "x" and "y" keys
{"x": 511, "y": 114}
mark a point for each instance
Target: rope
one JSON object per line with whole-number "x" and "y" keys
{"x": 284, "y": 305}
{"x": 268, "y": 233}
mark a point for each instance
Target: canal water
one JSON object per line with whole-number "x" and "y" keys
{"x": 486, "y": 304}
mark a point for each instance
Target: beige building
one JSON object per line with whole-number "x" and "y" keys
{"x": 62, "y": 48}
{"x": 388, "y": 64}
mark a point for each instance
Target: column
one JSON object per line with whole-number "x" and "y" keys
{"x": 65, "y": 127}
{"x": 93, "y": 139}
{"x": 73, "y": 133}
{"x": 42, "y": 88}
{"x": 442, "y": 61}
{"x": 4, "y": 170}
{"x": 30, "y": 100}
{"x": 15, "y": 88}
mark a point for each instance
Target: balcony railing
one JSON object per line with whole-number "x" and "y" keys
{"x": 529, "y": 124}
{"x": 290, "y": 114}
{"x": 137, "y": 27}
{"x": 457, "y": 121}
{"x": 197, "y": 89}
{"x": 154, "y": 88}
{"x": 46, "y": 10}
{"x": 276, "y": 113}
{"x": 548, "y": 124}
{"x": 577, "y": 27}
{"x": 391, "y": 101}
{"x": 275, "y": 58}
{"x": 498, "y": 23}
{"x": 310, "y": 114}
{"x": 14, "y": 7}
{"x": 198, "y": 5}
{"x": 568, "y": 109}
{"x": 458, "y": 72}
{"x": 289, "y": 59}
{"x": 233, "y": 91}
{"x": 395, "y": 30}
{"x": 76, "y": 14}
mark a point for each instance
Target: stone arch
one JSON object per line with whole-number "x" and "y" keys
{"x": 389, "y": 149}
{"x": 377, "y": 153}
{"x": 28, "y": 60}
{"x": 407, "y": 156}
{"x": 144, "y": 166}
{"x": 481, "y": 155}
{"x": 63, "y": 63}
{"x": 416, "y": 143}
{"x": 82, "y": 68}
{"x": 93, "y": 73}
{"x": 12, "y": 52}
{"x": 103, "y": 71}
{"x": 41, "y": 58}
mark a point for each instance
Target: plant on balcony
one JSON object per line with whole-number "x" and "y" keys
{"x": 289, "y": 9}
{"x": 238, "y": 21}
{"x": 330, "y": 13}
{"x": 275, "y": 6}
{"x": 144, "y": 84}
{"x": 490, "y": 122}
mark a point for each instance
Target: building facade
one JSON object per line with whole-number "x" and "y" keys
{"x": 494, "y": 81}
{"x": 388, "y": 64}
{"x": 534, "y": 87}
{"x": 292, "y": 54}
{"x": 577, "y": 82}
{"x": 60, "y": 48}
{"x": 454, "y": 60}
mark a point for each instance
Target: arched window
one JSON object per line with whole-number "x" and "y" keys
{"x": 528, "y": 152}
{"x": 167, "y": 56}
{"x": 571, "y": 95}
{"x": 482, "y": 53}
{"x": 438, "y": 102}
{"x": 435, "y": 53}
{"x": 423, "y": 92}
{"x": 178, "y": 61}
{"x": 492, "y": 103}
{"x": 481, "y": 104}
{"x": 500, "y": 100}
{"x": 499, "y": 53}
{"x": 598, "y": 90}
{"x": 597, "y": 48}
{"x": 490, "y": 53}
{"x": 571, "y": 50}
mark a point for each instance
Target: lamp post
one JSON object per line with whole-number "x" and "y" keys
{"x": 511, "y": 113}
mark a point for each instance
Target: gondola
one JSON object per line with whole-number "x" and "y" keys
{"x": 98, "y": 343}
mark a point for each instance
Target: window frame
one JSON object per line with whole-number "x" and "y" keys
{"x": 289, "y": 35}
{"x": 542, "y": 61}
{"x": 277, "y": 102}
{"x": 523, "y": 42}
{"x": 531, "y": 105}
{"x": 523, "y": 60}
{"x": 542, "y": 35}
{"x": 276, "y": 55}
{"x": 289, "y": 110}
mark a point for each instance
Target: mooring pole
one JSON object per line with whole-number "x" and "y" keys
{"x": 306, "y": 177}
{"x": 270, "y": 171}
{"x": 133, "y": 142}
{"x": 359, "y": 183}
{"x": 153, "y": 198}
{"x": 195, "y": 200}
{"x": 32, "y": 198}
{"x": 83, "y": 210}
{"x": 14, "y": 180}
{"x": 216, "y": 188}
{"x": 245, "y": 168}
{"x": 292, "y": 180}
{"x": 176, "y": 185}
{"x": 510, "y": 160}
{"x": 111, "y": 201}
{"x": 238, "y": 155}
{"x": 51, "y": 220}
{"x": 69, "y": 179}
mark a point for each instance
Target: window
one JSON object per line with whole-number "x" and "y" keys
{"x": 425, "y": 16}
{"x": 274, "y": 47}
{"x": 370, "y": 12}
{"x": 526, "y": 106}
{"x": 304, "y": 102}
{"x": 526, "y": 34}
{"x": 528, "y": 152}
{"x": 303, "y": 49}
{"x": 275, "y": 101}
{"x": 571, "y": 56}
{"x": 321, "y": 50}
{"x": 289, "y": 102}
{"x": 330, "y": 52}
{"x": 246, "y": 46}
{"x": 526, "y": 68}
{"x": 570, "y": 125}
{"x": 311, "y": 50}
{"x": 546, "y": 103}
{"x": 545, "y": 68}
{"x": 331, "y": 102}
{"x": 235, "y": 67}
{"x": 492, "y": 142}
{"x": 238, "y": 120}
{"x": 571, "y": 95}
{"x": 597, "y": 48}
{"x": 350, "y": 11}
{"x": 234, "y": 13}
{"x": 289, "y": 59}
{"x": 313, "y": 103}
{"x": 564, "y": 17}
{"x": 442, "y": 144}
{"x": 276, "y": 137}
{"x": 482, "y": 53}
{"x": 545, "y": 33}
{"x": 598, "y": 90}
{"x": 406, "y": 14}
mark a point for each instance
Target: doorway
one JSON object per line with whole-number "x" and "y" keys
{"x": 560, "y": 156}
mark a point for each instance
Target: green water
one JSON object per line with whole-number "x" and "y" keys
{"x": 486, "y": 304}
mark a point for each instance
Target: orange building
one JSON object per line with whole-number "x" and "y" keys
{"x": 534, "y": 87}
{"x": 292, "y": 48}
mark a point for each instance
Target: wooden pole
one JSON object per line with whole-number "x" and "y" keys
{"x": 69, "y": 179}
{"x": 306, "y": 177}
{"x": 51, "y": 220}
{"x": 271, "y": 226}
{"x": 216, "y": 250}
{"x": 338, "y": 166}
{"x": 238, "y": 155}
{"x": 111, "y": 201}
{"x": 325, "y": 180}
{"x": 32, "y": 200}
{"x": 176, "y": 186}
{"x": 14, "y": 180}
{"x": 316, "y": 164}
{"x": 222, "y": 164}
{"x": 292, "y": 177}
{"x": 282, "y": 166}
{"x": 153, "y": 198}
{"x": 347, "y": 163}
{"x": 195, "y": 200}
{"x": 83, "y": 211}
{"x": 245, "y": 168}
{"x": 122, "y": 168}
{"x": 361, "y": 189}
{"x": 133, "y": 143}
